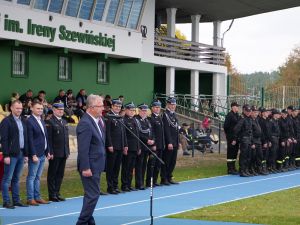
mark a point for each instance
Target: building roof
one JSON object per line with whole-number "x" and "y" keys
{"x": 213, "y": 10}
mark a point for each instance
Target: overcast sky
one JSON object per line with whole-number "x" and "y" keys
{"x": 256, "y": 43}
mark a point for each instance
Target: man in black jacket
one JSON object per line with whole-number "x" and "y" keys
{"x": 116, "y": 146}
{"x": 58, "y": 136}
{"x": 231, "y": 120}
{"x": 171, "y": 131}
{"x": 15, "y": 151}
{"x": 158, "y": 132}
{"x": 134, "y": 149}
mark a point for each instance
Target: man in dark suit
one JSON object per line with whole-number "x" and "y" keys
{"x": 116, "y": 146}
{"x": 58, "y": 136}
{"x": 171, "y": 132}
{"x": 38, "y": 152}
{"x": 15, "y": 151}
{"x": 91, "y": 156}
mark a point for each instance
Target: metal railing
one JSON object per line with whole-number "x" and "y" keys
{"x": 188, "y": 50}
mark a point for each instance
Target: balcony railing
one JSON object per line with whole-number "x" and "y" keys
{"x": 188, "y": 50}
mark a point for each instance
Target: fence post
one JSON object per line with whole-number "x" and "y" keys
{"x": 193, "y": 141}
{"x": 262, "y": 97}
{"x": 219, "y": 137}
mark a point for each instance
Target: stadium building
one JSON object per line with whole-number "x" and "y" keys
{"x": 113, "y": 47}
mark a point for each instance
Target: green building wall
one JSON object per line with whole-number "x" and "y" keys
{"x": 133, "y": 80}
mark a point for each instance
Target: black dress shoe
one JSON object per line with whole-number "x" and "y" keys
{"x": 141, "y": 188}
{"x": 53, "y": 199}
{"x": 132, "y": 189}
{"x": 165, "y": 183}
{"x": 173, "y": 182}
{"x": 8, "y": 205}
{"x": 118, "y": 191}
{"x": 112, "y": 192}
{"x": 19, "y": 204}
{"x": 126, "y": 189}
{"x": 61, "y": 199}
{"x": 103, "y": 193}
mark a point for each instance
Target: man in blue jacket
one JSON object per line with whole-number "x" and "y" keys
{"x": 38, "y": 152}
{"x": 15, "y": 150}
{"x": 91, "y": 156}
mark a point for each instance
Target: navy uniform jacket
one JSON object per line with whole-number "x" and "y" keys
{"x": 244, "y": 129}
{"x": 132, "y": 141}
{"x": 230, "y": 122}
{"x": 115, "y": 133}
{"x": 145, "y": 129}
{"x": 158, "y": 131}
{"x": 58, "y": 136}
{"x": 171, "y": 130}
{"x": 36, "y": 138}
{"x": 10, "y": 137}
{"x": 91, "y": 145}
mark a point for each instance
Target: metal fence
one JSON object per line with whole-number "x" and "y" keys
{"x": 282, "y": 97}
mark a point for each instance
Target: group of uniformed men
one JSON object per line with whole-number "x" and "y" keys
{"x": 268, "y": 140}
{"x": 130, "y": 140}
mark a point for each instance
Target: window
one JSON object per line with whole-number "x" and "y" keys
{"x": 41, "y": 4}
{"x": 112, "y": 11}
{"x": 86, "y": 9}
{"x": 72, "y": 8}
{"x": 99, "y": 9}
{"x": 19, "y": 63}
{"x": 135, "y": 14}
{"x": 65, "y": 69}
{"x": 102, "y": 73}
{"x": 56, "y": 6}
{"x": 24, "y": 2}
{"x": 125, "y": 13}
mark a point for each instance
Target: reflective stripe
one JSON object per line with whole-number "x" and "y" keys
{"x": 287, "y": 157}
{"x": 297, "y": 159}
{"x": 278, "y": 161}
{"x": 231, "y": 160}
{"x": 264, "y": 161}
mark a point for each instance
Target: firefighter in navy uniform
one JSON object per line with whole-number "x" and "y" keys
{"x": 285, "y": 141}
{"x": 145, "y": 160}
{"x": 171, "y": 131}
{"x": 243, "y": 132}
{"x": 256, "y": 153}
{"x": 158, "y": 131}
{"x": 275, "y": 134}
{"x": 231, "y": 120}
{"x": 116, "y": 146}
{"x": 296, "y": 123}
{"x": 265, "y": 137}
{"x": 134, "y": 148}
{"x": 290, "y": 158}
{"x": 58, "y": 136}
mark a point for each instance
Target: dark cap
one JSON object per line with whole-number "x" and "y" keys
{"x": 116, "y": 101}
{"x": 262, "y": 109}
{"x": 290, "y": 107}
{"x": 171, "y": 100}
{"x": 234, "y": 104}
{"x": 284, "y": 111}
{"x": 143, "y": 106}
{"x": 155, "y": 102}
{"x": 247, "y": 108}
{"x": 130, "y": 105}
{"x": 275, "y": 111}
{"x": 254, "y": 108}
{"x": 58, "y": 105}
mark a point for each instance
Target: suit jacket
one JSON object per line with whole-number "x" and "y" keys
{"x": 158, "y": 131}
{"x": 91, "y": 145}
{"x": 171, "y": 130}
{"x": 36, "y": 138}
{"x": 58, "y": 136}
{"x": 10, "y": 137}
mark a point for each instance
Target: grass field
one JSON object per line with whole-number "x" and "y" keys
{"x": 279, "y": 208}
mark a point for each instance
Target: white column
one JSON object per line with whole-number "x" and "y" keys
{"x": 170, "y": 80}
{"x": 170, "y": 71}
{"x": 219, "y": 80}
{"x": 195, "y": 73}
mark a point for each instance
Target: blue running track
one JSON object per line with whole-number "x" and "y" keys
{"x": 133, "y": 207}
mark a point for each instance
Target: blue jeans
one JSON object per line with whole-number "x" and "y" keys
{"x": 35, "y": 170}
{"x": 11, "y": 176}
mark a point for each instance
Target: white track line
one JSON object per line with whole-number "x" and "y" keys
{"x": 158, "y": 198}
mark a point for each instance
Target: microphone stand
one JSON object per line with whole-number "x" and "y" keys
{"x": 153, "y": 154}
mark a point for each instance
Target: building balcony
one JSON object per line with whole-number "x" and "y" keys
{"x": 188, "y": 50}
